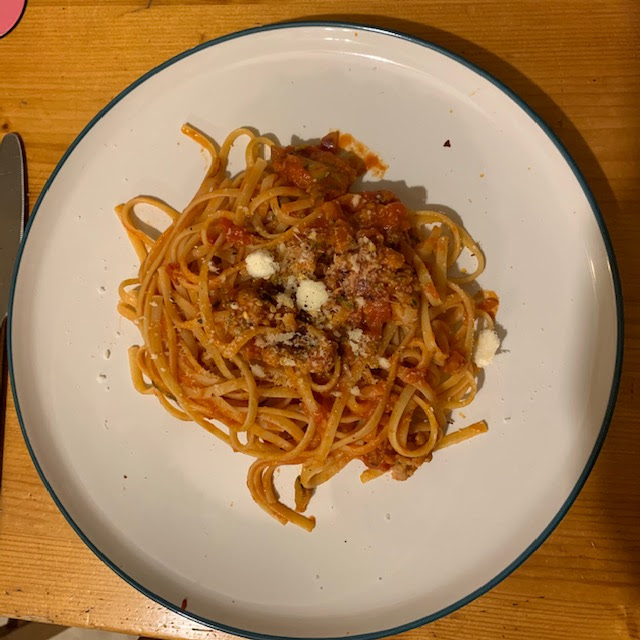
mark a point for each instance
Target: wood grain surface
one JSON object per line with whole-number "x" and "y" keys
{"x": 575, "y": 62}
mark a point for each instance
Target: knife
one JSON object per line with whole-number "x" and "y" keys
{"x": 13, "y": 204}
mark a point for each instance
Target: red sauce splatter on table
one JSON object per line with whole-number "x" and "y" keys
{"x": 371, "y": 159}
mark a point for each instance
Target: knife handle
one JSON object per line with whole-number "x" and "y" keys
{"x": 4, "y": 382}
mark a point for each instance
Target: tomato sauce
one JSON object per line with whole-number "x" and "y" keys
{"x": 236, "y": 235}
{"x": 372, "y": 160}
{"x": 376, "y": 313}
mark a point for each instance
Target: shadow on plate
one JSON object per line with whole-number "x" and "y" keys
{"x": 523, "y": 86}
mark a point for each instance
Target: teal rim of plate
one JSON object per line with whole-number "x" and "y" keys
{"x": 614, "y": 383}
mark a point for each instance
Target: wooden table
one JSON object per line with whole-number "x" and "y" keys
{"x": 576, "y": 63}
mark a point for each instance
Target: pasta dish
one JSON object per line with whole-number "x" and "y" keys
{"x": 306, "y": 324}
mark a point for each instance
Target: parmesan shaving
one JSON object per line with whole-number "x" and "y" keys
{"x": 257, "y": 370}
{"x": 284, "y": 300}
{"x": 260, "y": 264}
{"x": 280, "y": 338}
{"x": 311, "y": 295}
{"x": 486, "y": 347}
{"x": 355, "y": 340}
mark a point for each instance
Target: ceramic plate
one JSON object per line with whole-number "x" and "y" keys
{"x": 165, "y": 504}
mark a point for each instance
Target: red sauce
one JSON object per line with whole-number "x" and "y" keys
{"x": 252, "y": 352}
{"x": 321, "y": 416}
{"x": 372, "y": 160}
{"x": 393, "y": 217}
{"x": 490, "y": 305}
{"x": 340, "y": 236}
{"x": 314, "y": 169}
{"x": 376, "y": 314}
{"x": 454, "y": 362}
{"x": 390, "y": 258}
{"x": 183, "y": 606}
{"x": 236, "y": 235}
{"x": 379, "y": 210}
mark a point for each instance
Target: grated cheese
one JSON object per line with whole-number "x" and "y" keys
{"x": 260, "y": 264}
{"x": 355, "y": 391}
{"x": 486, "y": 347}
{"x": 384, "y": 363}
{"x": 257, "y": 370}
{"x": 366, "y": 244}
{"x": 355, "y": 340}
{"x": 284, "y": 300}
{"x": 291, "y": 284}
{"x": 280, "y": 338}
{"x": 311, "y": 295}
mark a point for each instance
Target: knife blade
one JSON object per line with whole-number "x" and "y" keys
{"x": 13, "y": 205}
{"x": 12, "y": 211}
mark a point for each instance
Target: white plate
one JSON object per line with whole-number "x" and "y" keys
{"x": 164, "y": 503}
